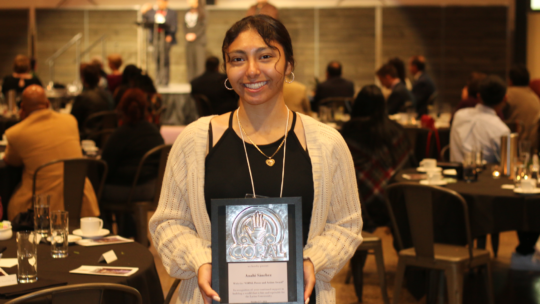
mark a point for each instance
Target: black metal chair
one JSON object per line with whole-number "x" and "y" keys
{"x": 418, "y": 203}
{"x": 91, "y": 293}
{"x": 140, "y": 209}
{"x": 100, "y": 121}
{"x": 171, "y": 291}
{"x": 75, "y": 174}
{"x": 204, "y": 108}
{"x": 445, "y": 154}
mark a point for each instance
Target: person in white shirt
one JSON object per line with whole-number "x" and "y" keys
{"x": 480, "y": 127}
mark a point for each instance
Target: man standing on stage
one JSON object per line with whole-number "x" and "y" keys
{"x": 195, "y": 31}
{"x": 161, "y": 14}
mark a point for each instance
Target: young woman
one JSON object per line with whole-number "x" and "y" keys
{"x": 209, "y": 160}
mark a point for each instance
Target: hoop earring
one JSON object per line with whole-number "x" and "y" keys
{"x": 292, "y": 73}
{"x": 226, "y": 87}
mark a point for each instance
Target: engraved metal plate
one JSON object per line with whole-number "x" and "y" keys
{"x": 257, "y": 233}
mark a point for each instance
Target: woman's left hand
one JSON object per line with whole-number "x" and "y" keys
{"x": 309, "y": 279}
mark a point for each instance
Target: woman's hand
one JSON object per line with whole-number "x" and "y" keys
{"x": 205, "y": 284}
{"x": 309, "y": 279}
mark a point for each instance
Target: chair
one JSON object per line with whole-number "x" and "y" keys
{"x": 75, "y": 173}
{"x": 372, "y": 244}
{"x": 204, "y": 108}
{"x": 140, "y": 209}
{"x": 445, "y": 154}
{"x": 100, "y": 137}
{"x": 101, "y": 120}
{"x": 171, "y": 291}
{"x": 425, "y": 253}
{"x": 91, "y": 293}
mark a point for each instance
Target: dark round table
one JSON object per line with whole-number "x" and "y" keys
{"x": 493, "y": 209}
{"x": 145, "y": 280}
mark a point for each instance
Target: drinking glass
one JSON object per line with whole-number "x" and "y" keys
{"x": 520, "y": 173}
{"x": 524, "y": 151}
{"x": 42, "y": 205}
{"x": 469, "y": 166}
{"x": 59, "y": 234}
{"x": 27, "y": 242}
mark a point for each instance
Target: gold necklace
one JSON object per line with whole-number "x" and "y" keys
{"x": 270, "y": 161}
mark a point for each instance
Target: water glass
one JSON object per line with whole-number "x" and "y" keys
{"x": 59, "y": 234}
{"x": 27, "y": 242}
{"x": 469, "y": 166}
{"x": 42, "y": 205}
{"x": 524, "y": 151}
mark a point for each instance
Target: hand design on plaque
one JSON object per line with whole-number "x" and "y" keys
{"x": 258, "y": 233}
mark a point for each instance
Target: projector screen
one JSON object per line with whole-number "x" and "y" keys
{"x": 535, "y": 5}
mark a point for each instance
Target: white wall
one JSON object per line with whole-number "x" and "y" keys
{"x": 533, "y": 44}
{"x": 235, "y": 4}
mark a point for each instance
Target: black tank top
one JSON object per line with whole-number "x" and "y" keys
{"x": 227, "y": 173}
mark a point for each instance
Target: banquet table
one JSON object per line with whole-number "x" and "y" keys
{"x": 418, "y": 138}
{"x": 145, "y": 280}
{"x": 493, "y": 209}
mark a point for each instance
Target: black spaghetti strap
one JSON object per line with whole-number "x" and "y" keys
{"x": 231, "y": 118}
{"x": 210, "y": 137}
{"x": 293, "y": 121}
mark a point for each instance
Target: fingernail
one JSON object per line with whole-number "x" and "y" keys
{"x": 307, "y": 301}
{"x": 218, "y": 299}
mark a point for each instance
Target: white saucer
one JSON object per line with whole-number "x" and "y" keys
{"x": 422, "y": 169}
{"x": 527, "y": 192}
{"x": 97, "y": 235}
{"x": 71, "y": 238}
{"x": 441, "y": 182}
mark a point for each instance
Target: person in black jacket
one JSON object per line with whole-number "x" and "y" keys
{"x": 93, "y": 99}
{"x": 400, "y": 96}
{"x": 211, "y": 84}
{"x": 334, "y": 86}
{"x": 161, "y": 14}
{"x": 423, "y": 87}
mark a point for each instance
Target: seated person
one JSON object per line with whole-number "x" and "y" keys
{"x": 295, "y": 95}
{"x": 480, "y": 127}
{"x": 93, "y": 99}
{"x": 212, "y": 85}
{"x": 129, "y": 76}
{"x": 126, "y": 147}
{"x": 469, "y": 94}
{"x": 334, "y": 86}
{"x": 114, "y": 79}
{"x": 21, "y": 78}
{"x": 379, "y": 147}
{"x": 400, "y": 96}
{"x": 423, "y": 87}
{"x": 41, "y": 137}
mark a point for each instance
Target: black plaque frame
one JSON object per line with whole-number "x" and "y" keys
{"x": 295, "y": 265}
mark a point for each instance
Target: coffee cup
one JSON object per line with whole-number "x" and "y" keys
{"x": 428, "y": 163}
{"x": 434, "y": 176}
{"x": 527, "y": 184}
{"x": 91, "y": 225}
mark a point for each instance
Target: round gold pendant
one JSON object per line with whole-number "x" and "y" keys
{"x": 270, "y": 162}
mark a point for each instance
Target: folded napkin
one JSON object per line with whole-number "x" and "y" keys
{"x": 14, "y": 291}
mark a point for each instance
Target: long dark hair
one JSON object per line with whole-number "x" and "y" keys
{"x": 270, "y": 29}
{"x": 369, "y": 124}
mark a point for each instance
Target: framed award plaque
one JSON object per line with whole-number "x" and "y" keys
{"x": 257, "y": 250}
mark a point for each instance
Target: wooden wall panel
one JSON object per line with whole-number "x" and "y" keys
{"x": 54, "y": 29}
{"x": 454, "y": 40}
{"x": 348, "y": 35}
{"x": 13, "y": 38}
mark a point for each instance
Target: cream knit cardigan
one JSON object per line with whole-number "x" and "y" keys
{"x": 180, "y": 227}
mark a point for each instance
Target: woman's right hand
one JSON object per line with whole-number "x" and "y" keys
{"x": 205, "y": 284}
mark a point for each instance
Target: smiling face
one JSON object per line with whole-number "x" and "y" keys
{"x": 256, "y": 71}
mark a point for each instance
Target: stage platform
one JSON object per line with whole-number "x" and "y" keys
{"x": 181, "y": 109}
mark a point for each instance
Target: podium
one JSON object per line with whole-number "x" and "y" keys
{"x": 158, "y": 45}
